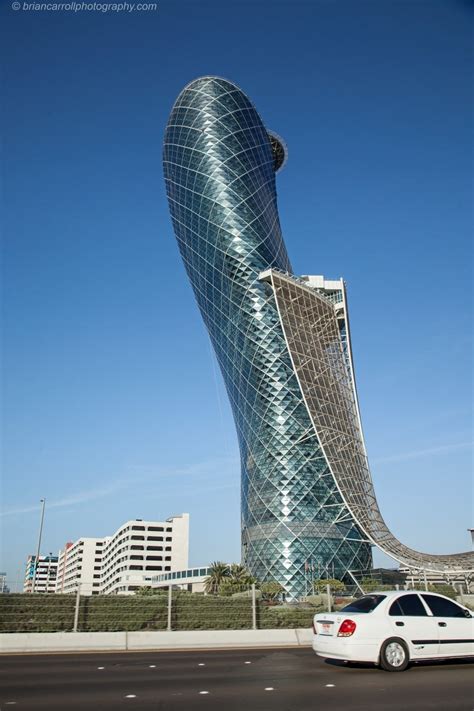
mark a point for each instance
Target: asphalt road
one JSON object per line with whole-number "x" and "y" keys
{"x": 252, "y": 680}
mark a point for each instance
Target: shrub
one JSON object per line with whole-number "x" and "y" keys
{"x": 446, "y": 590}
{"x": 370, "y": 585}
{"x": 442, "y": 589}
{"x": 36, "y": 613}
{"x": 271, "y": 590}
{"x": 320, "y": 586}
{"x": 317, "y": 600}
{"x": 211, "y": 613}
{"x": 124, "y": 613}
{"x": 286, "y": 617}
{"x": 109, "y": 613}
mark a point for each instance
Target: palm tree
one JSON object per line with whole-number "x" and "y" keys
{"x": 240, "y": 574}
{"x": 218, "y": 571}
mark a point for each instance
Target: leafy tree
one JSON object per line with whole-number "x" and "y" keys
{"x": 336, "y": 586}
{"x": 219, "y": 571}
{"x": 369, "y": 585}
{"x": 271, "y": 590}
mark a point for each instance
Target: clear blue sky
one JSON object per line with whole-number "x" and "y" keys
{"x": 113, "y": 407}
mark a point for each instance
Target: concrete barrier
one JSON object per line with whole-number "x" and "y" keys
{"x": 213, "y": 639}
{"x": 304, "y": 637}
{"x": 31, "y": 642}
{"x": 62, "y": 641}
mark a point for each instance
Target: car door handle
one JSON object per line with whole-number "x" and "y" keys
{"x": 400, "y": 624}
{"x": 442, "y": 624}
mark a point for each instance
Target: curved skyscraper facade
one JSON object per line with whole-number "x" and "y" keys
{"x": 297, "y": 521}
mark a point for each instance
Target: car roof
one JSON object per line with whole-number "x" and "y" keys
{"x": 394, "y": 593}
{"x": 388, "y": 593}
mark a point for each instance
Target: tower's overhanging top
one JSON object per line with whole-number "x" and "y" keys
{"x": 279, "y": 149}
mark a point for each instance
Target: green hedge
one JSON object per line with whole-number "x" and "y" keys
{"x": 286, "y": 617}
{"x": 36, "y": 613}
{"x": 192, "y": 612}
{"x": 111, "y": 613}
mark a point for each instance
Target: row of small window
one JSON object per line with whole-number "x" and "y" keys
{"x": 135, "y": 538}
{"x": 134, "y": 547}
{"x": 157, "y": 529}
{"x": 136, "y": 567}
{"x": 107, "y": 581}
{"x": 193, "y": 573}
{"x": 169, "y": 529}
{"x": 71, "y": 561}
{"x": 116, "y": 560}
{"x": 139, "y": 557}
{"x": 150, "y": 538}
{"x": 150, "y": 528}
{"x": 132, "y": 567}
{"x": 111, "y": 554}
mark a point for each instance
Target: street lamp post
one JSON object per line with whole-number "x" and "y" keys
{"x": 471, "y": 531}
{"x": 43, "y": 501}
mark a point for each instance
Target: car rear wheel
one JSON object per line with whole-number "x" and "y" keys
{"x": 394, "y": 655}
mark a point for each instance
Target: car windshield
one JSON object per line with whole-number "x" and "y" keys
{"x": 364, "y": 604}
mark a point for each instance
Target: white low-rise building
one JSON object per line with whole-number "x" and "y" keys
{"x": 44, "y": 581}
{"x": 125, "y": 561}
{"x": 79, "y": 562}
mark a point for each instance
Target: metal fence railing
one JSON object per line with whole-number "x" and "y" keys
{"x": 157, "y": 610}
{"x": 172, "y": 609}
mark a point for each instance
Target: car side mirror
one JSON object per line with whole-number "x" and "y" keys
{"x": 467, "y": 613}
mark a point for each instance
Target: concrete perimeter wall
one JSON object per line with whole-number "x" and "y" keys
{"x": 26, "y": 642}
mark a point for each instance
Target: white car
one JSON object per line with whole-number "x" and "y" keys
{"x": 393, "y": 628}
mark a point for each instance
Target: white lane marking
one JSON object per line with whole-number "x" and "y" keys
{"x": 247, "y": 662}
{"x": 269, "y": 688}
{"x": 100, "y": 667}
{"x": 330, "y": 684}
{"x": 203, "y": 692}
{"x": 201, "y": 664}
{"x": 131, "y": 696}
{"x": 152, "y": 666}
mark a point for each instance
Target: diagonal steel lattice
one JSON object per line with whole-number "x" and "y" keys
{"x": 312, "y": 326}
{"x": 219, "y": 164}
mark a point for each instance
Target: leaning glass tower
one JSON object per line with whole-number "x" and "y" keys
{"x": 283, "y": 345}
{"x": 220, "y": 163}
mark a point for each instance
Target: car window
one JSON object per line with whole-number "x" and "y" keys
{"x": 443, "y": 608}
{"x": 364, "y": 604}
{"x": 408, "y": 606}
